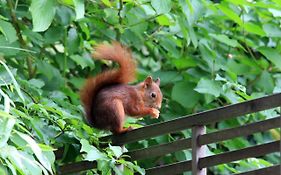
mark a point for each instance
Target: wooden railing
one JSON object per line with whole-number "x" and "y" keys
{"x": 199, "y": 139}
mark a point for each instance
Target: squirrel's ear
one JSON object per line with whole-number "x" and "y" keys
{"x": 157, "y": 81}
{"x": 148, "y": 81}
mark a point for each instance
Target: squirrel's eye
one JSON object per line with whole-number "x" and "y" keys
{"x": 153, "y": 94}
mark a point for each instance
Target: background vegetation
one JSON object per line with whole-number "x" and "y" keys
{"x": 207, "y": 54}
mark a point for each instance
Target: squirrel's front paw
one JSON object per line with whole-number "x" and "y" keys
{"x": 155, "y": 113}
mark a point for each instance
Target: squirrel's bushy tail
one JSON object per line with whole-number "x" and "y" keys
{"x": 125, "y": 74}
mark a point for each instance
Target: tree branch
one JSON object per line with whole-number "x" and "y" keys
{"x": 15, "y": 23}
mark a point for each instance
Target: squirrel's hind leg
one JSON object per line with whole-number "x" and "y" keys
{"x": 118, "y": 113}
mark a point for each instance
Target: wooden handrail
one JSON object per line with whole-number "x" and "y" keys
{"x": 217, "y": 136}
{"x": 202, "y": 118}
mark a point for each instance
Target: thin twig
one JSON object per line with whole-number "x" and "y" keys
{"x": 244, "y": 37}
{"x": 144, "y": 20}
{"x": 155, "y": 32}
{"x": 27, "y": 93}
{"x": 15, "y": 23}
{"x": 15, "y": 48}
{"x": 120, "y": 19}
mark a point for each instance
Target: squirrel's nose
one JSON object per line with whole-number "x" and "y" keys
{"x": 159, "y": 106}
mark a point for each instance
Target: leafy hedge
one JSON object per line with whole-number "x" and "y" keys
{"x": 207, "y": 55}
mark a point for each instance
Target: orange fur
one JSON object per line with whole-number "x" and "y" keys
{"x": 107, "y": 97}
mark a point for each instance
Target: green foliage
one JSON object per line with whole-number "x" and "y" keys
{"x": 207, "y": 55}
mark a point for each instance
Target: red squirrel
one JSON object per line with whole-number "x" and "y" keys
{"x": 107, "y": 97}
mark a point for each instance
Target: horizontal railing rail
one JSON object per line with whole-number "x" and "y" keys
{"x": 77, "y": 167}
{"x": 263, "y": 171}
{"x": 199, "y": 139}
{"x": 254, "y": 151}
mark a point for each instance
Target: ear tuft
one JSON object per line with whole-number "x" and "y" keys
{"x": 148, "y": 81}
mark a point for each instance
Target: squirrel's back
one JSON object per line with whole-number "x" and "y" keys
{"x": 123, "y": 75}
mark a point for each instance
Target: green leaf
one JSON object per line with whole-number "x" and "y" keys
{"x": 226, "y": 40}
{"x": 21, "y": 160}
{"x": 206, "y": 86}
{"x": 184, "y": 62}
{"x": 54, "y": 34}
{"x": 79, "y": 8}
{"x": 15, "y": 83}
{"x": 92, "y": 152}
{"x": 133, "y": 166}
{"x": 230, "y": 13}
{"x": 38, "y": 83}
{"x": 37, "y": 151}
{"x": 6, "y": 126}
{"x": 272, "y": 30}
{"x": 253, "y": 28}
{"x": 192, "y": 10}
{"x": 265, "y": 82}
{"x": 236, "y": 143}
{"x": 35, "y": 37}
{"x": 169, "y": 44}
{"x": 128, "y": 171}
{"x": 85, "y": 29}
{"x": 168, "y": 76}
{"x": 193, "y": 36}
{"x": 117, "y": 150}
{"x": 275, "y": 12}
{"x": 8, "y": 30}
{"x": 65, "y": 15}
{"x": 10, "y": 166}
{"x": 239, "y": 2}
{"x": 277, "y": 2}
{"x": 163, "y": 20}
{"x": 7, "y": 101}
{"x": 149, "y": 11}
{"x": 189, "y": 4}
{"x": 183, "y": 24}
{"x": 107, "y": 3}
{"x": 104, "y": 166}
{"x": 72, "y": 41}
{"x": 83, "y": 62}
{"x": 10, "y": 49}
{"x": 3, "y": 170}
{"x": 42, "y": 12}
{"x": 237, "y": 68}
{"x": 47, "y": 69}
{"x": 18, "y": 141}
{"x": 67, "y": 2}
{"x": 111, "y": 15}
{"x": 162, "y": 6}
{"x": 271, "y": 54}
{"x": 135, "y": 15}
{"x": 117, "y": 171}
{"x": 184, "y": 94}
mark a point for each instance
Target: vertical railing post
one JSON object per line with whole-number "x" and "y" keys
{"x": 198, "y": 151}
